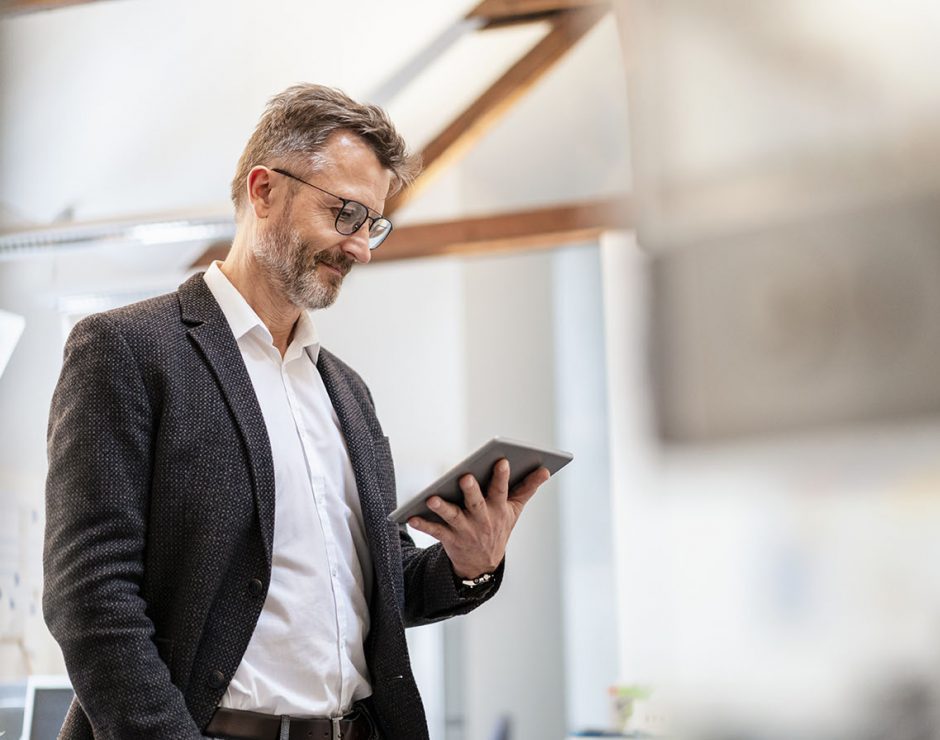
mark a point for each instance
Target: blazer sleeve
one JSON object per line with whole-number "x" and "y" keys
{"x": 100, "y": 440}
{"x": 432, "y": 591}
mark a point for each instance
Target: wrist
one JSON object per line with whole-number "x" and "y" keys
{"x": 468, "y": 573}
{"x": 469, "y": 578}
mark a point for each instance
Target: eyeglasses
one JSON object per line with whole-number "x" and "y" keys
{"x": 352, "y": 215}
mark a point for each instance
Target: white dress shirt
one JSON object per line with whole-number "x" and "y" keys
{"x": 306, "y": 655}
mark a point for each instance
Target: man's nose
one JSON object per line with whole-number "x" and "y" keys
{"x": 357, "y": 245}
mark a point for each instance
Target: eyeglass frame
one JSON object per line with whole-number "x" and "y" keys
{"x": 371, "y": 219}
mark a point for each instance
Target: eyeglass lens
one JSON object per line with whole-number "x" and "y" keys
{"x": 351, "y": 218}
{"x": 380, "y": 229}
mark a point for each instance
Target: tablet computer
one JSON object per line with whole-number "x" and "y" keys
{"x": 523, "y": 458}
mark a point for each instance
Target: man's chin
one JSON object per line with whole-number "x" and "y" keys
{"x": 317, "y": 297}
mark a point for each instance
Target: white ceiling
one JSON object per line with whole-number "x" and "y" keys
{"x": 140, "y": 107}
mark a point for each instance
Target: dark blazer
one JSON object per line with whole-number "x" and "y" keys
{"x": 160, "y": 518}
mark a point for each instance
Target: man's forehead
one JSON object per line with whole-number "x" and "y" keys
{"x": 347, "y": 160}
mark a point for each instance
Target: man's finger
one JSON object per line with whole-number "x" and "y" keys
{"x": 526, "y": 490}
{"x": 450, "y": 513}
{"x": 473, "y": 499}
{"x": 440, "y": 532}
{"x": 499, "y": 484}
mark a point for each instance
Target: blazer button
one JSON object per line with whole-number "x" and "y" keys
{"x": 216, "y": 679}
{"x": 255, "y": 587}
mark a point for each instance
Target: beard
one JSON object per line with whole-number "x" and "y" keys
{"x": 292, "y": 264}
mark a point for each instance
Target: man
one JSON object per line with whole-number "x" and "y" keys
{"x": 218, "y": 560}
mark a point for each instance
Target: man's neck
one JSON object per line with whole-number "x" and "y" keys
{"x": 279, "y": 316}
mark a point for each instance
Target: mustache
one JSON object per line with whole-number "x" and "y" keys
{"x": 338, "y": 262}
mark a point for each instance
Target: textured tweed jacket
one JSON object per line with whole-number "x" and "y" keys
{"x": 160, "y": 518}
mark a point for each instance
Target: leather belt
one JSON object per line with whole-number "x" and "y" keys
{"x": 237, "y": 724}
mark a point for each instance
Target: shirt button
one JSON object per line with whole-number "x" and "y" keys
{"x": 216, "y": 679}
{"x": 255, "y": 587}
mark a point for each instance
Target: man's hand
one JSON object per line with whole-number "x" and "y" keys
{"x": 475, "y": 537}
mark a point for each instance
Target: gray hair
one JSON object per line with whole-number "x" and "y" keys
{"x": 299, "y": 121}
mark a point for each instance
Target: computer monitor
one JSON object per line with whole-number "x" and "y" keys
{"x": 47, "y": 703}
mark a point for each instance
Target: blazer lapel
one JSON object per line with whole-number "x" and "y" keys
{"x": 211, "y": 333}
{"x": 359, "y": 444}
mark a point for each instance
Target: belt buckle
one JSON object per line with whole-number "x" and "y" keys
{"x": 337, "y": 733}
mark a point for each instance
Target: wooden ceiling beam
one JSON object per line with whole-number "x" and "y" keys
{"x": 533, "y": 228}
{"x": 568, "y": 27}
{"x": 503, "y": 10}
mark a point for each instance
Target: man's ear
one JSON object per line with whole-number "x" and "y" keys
{"x": 260, "y": 186}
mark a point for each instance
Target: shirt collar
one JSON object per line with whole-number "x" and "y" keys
{"x": 305, "y": 335}
{"x": 242, "y": 319}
